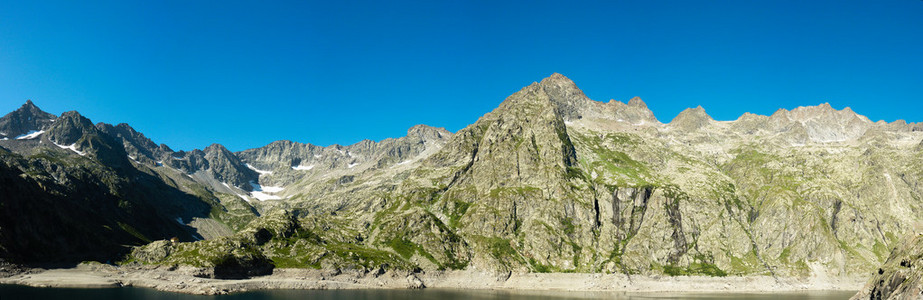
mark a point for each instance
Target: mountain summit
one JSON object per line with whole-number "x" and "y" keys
{"x": 691, "y": 119}
{"x": 23, "y": 121}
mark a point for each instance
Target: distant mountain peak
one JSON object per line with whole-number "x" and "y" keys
{"x": 217, "y": 147}
{"x": 77, "y": 118}
{"x": 557, "y": 78}
{"x": 69, "y": 128}
{"x": 427, "y": 132}
{"x": 691, "y": 119}
{"x": 27, "y": 118}
{"x": 30, "y": 109}
{"x": 637, "y": 102}
{"x": 823, "y": 112}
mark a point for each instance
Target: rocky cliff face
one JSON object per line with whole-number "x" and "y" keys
{"x": 901, "y": 276}
{"x": 552, "y": 181}
{"x": 138, "y": 147}
{"x": 74, "y": 132}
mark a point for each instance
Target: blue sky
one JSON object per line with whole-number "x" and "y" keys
{"x": 243, "y": 74}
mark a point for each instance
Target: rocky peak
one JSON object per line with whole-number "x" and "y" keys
{"x": 896, "y": 126}
{"x": 824, "y": 123}
{"x": 524, "y": 142}
{"x": 691, "y": 119}
{"x": 564, "y": 93}
{"x": 750, "y": 123}
{"x": 29, "y": 108}
{"x": 77, "y": 133}
{"x": 224, "y": 166}
{"x": 217, "y": 150}
{"x": 824, "y": 113}
{"x": 637, "y": 102}
{"x": 361, "y": 147}
{"x": 427, "y": 133}
{"x": 69, "y": 128}
{"x": 293, "y": 161}
{"x": 136, "y": 144}
{"x": 557, "y": 80}
{"x": 572, "y": 104}
{"x": 27, "y": 118}
{"x": 635, "y": 112}
{"x": 282, "y": 154}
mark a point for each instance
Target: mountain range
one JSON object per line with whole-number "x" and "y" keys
{"x": 549, "y": 181}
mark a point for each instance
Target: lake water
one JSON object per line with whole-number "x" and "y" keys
{"x": 15, "y": 292}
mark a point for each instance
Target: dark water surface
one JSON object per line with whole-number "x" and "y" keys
{"x": 15, "y": 292}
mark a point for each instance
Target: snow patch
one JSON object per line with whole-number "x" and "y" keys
{"x": 352, "y": 165}
{"x": 30, "y": 135}
{"x": 72, "y": 147}
{"x": 159, "y": 163}
{"x": 180, "y": 221}
{"x": 317, "y": 156}
{"x": 273, "y": 189}
{"x": 261, "y": 192}
{"x": 242, "y": 197}
{"x": 263, "y": 196}
{"x": 404, "y": 162}
{"x": 262, "y": 172}
{"x": 303, "y": 168}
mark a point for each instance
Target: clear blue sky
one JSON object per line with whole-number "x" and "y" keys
{"x": 243, "y": 74}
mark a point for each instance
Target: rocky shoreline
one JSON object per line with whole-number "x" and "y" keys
{"x": 184, "y": 280}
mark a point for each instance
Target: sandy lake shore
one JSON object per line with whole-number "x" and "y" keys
{"x": 183, "y": 280}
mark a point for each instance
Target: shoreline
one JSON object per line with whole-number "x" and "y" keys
{"x": 181, "y": 280}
